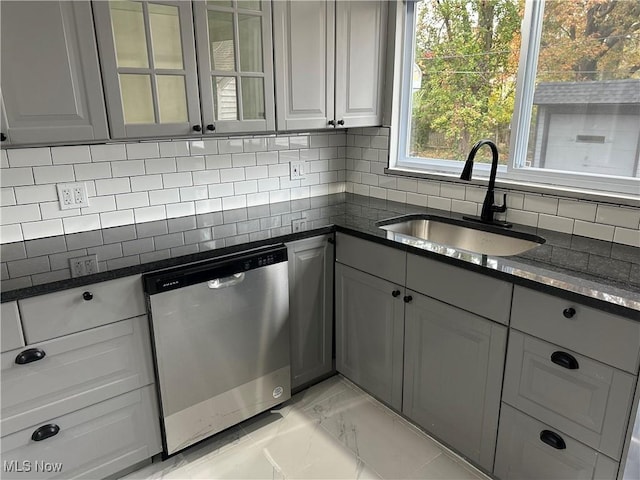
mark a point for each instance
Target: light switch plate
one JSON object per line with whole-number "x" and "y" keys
{"x": 298, "y": 170}
{"x": 72, "y": 195}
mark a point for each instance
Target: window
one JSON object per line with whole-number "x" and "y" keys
{"x": 555, "y": 84}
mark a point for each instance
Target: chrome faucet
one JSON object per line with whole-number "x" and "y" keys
{"x": 488, "y": 206}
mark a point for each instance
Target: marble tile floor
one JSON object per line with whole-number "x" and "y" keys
{"x": 332, "y": 430}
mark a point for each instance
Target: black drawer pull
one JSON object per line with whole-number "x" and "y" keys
{"x": 565, "y": 360}
{"x": 569, "y": 312}
{"x": 407, "y": 299}
{"x": 395, "y": 293}
{"x": 552, "y": 439}
{"x": 87, "y": 296}
{"x": 30, "y": 355}
{"x": 45, "y": 432}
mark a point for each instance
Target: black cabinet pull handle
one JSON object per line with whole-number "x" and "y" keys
{"x": 197, "y": 128}
{"x": 565, "y": 360}
{"x": 211, "y": 127}
{"x": 332, "y": 123}
{"x": 395, "y": 293}
{"x": 3, "y": 137}
{"x": 407, "y": 299}
{"x": 340, "y": 122}
{"x": 569, "y": 312}
{"x": 45, "y": 432}
{"x": 87, "y": 296}
{"x": 30, "y": 355}
{"x": 552, "y": 439}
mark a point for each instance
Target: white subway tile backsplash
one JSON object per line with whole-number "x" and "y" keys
{"x": 407, "y": 184}
{"x": 237, "y": 201}
{"x": 255, "y": 144}
{"x": 522, "y": 217}
{"x": 180, "y": 209}
{"x": 203, "y": 147}
{"x": 116, "y": 219}
{"x": 132, "y": 200}
{"x": 13, "y": 177}
{"x": 618, "y": 216}
{"x": 62, "y": 173}
{"x": 266, "y": 158}
{"x": 162, "y": 197}
{"x": 268, "y": 184}
{"x": 514, "y": 200}
{"x": 92, "y": 171}
{"x": 188, "y": 194}
{"x": 233, "y": 145}
{"x": 337, "y": 163}
{"x": 128, "y": 168}
{"x": 370, "y": 179}
{"x": 377, "y": 192}
{"x": 112, "y": 186}
{"x": 397, "y": 196}
{"x": 52, "y": 210}
{"x": 7, "y": 197}
{"x": 558, "y": 224}
{"x": 578, "y": 210}
{"x": 280, "y": 195}
{"x": 475, "y": 194}
{"x": 149, "y": 214}
{"x": 302, "y": 141}
{"x": 439, "y": 203}
{"x": 540, "y": 204}
{"x": 35, "y": 194}
{"x": 4, "y": 159}
{"x": 142, "y": 150}
{"x": 68, "y": 155}
{"x": 231, "y": 175}
{"x": 287, "y": 156}
{"x": 221, "y": 190}
{"x": 380, "y": 142}
{"x": 627, "y": 236}
{"x": 308, "y": 154}
{"x": 179, "y": 148}
{"x": 317, "y": 141}
{"x": 171, "y": 180}
{"x": 426, "y": 187}
{"x": 242, "y": 188}
{"x": 11, "y": 233}
{"x": 462, "y": 206}
{"x": 81, "y": 224}
{"x": 254, "y": 173}
{"x": 316, "y": 190}
{"x": 279, "y": 170}
{"x": 44, "y": 228}
{"x": 108, "y": 153}
{"x": 218, "y": 161}
{"x": 310, "y": 179}
{"x": 100, "y": 204}
{"x": 417, "y": 199}
{"x": 146, "y": 182}
{"x": 190, "y": 164}
{"x": 206, "y": 177}
{"x": 243, "y": 159}
{"x": 386, "y": 182}
{"x": 329, "y": 177}
{"x": 452, "y": 190}
{"x": 278, "y": 143}
{"x": 29, "y": 157}
{"x": 209, "y": 205}
{"x": 20, "y": 213}
{"x": 160, "y": 165}
{"x": 594, "y": 230}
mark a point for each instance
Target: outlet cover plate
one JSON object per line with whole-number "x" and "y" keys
{"x": 80, "y": 266}
{"x": 298, "y": 170}
{"x": 298, "y": 224}
{"x": 72, "y": 195}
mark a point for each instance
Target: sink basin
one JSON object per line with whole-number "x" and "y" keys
{"x": 461, "y": 234}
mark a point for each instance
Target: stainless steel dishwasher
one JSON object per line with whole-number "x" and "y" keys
{"x": 221, "y": 342}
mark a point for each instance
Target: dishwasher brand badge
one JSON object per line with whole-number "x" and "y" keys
{"x": 277, "y": 392}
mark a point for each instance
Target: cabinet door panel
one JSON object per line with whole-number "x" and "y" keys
{"x": 147, "y": 54}
{"x": 521, "y": 454}
{"x": 453, "y": 373}
{"x": 360, "y": 54}
{"x": 370, "y": 333}
{"x": 311, "y": 309}
{"x": 591, "y": 402}
{"x": 304, "y": 36}
{"x": 52, "y": 91}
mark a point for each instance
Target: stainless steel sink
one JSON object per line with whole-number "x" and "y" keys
{"x": 461, "y": 234}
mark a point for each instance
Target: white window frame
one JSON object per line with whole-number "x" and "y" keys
{"x": 554, "y": 180}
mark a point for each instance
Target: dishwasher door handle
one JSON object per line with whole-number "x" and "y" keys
{"x": 225, "y": 282}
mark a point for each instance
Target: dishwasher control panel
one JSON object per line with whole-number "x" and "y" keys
{"x": 225, "y": 266}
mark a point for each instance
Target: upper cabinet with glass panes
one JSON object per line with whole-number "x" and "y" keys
{"x": 152, "y": 83}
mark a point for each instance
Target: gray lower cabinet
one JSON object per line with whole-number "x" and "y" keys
{"x": 311, "y": 309}
{"x": 453, "y": 367}
{"x": 51, "y": 84}
{"x": 530, "y": 449}
{"x": 370, "y": 333}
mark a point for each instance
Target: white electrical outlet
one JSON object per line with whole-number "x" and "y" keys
{"x": 83, "y": 265}
{"x": 298, "y": 225}
{"x": 297, "y": 170}
{"x": 72, "y": 195}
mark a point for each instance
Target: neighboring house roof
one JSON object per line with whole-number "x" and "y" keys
{"x": 606, "y": 92}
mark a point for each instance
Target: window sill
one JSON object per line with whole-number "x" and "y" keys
{"x": 523, "y": 187}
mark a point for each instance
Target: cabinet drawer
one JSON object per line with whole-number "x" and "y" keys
{"x": 591, "y": 402}
{"x": 77, "y": 370}
{"x": 62, "y": 313}
{"x": 471, "y": 291}
{"x": 94, "y": 442}
{"x": 10, "y": 328}
{"x": 521, "y": 454}
{"x": 606, "y": 337}
{"x": 379, "y": 260}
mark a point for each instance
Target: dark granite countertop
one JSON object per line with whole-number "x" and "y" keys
{"x": 601, "y": 274}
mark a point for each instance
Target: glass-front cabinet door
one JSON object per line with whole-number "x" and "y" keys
{"x": 235, "y": 65}
{"x": 148, "y": 67}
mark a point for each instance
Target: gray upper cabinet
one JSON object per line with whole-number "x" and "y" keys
{"x": 370, "y": 333}
{"x": 51, "y": 86}
{"x": 310, "y": 309}
{"x": 329, "y": 58}
{"x": 152, "y": 82}
{"x": 453, "y": 369}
